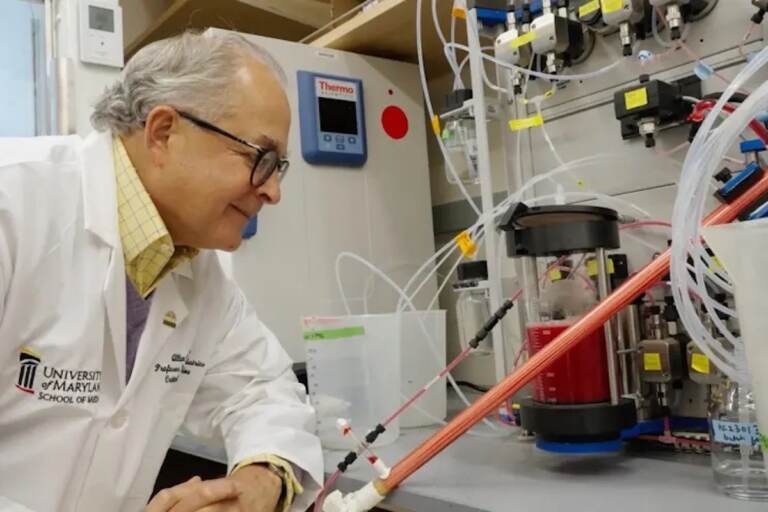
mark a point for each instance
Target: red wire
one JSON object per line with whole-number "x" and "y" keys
{"x": 706, "y": 105}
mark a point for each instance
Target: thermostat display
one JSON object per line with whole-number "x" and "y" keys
{"x": 332, "y": 119}
{"x": 101, "y": 32}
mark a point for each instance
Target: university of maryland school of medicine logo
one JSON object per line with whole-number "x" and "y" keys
{"x": 28, "y": 363}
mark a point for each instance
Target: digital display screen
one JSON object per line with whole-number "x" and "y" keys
{"x": 338, "y": 116}
{"x": 100, "y": 18}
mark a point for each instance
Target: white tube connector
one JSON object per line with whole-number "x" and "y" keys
{"x": 378, "y": 465}
{"x": 359, "y": 501}
{"x": 343, "y": 426}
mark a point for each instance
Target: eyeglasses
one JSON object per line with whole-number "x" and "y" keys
{"x": 266, "y": 161}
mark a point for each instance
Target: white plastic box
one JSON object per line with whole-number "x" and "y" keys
{"x": 353, "y": 369}
{"x": 361, "y": 368}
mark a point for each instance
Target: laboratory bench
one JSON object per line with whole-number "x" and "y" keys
{"x": 503, "y": 474}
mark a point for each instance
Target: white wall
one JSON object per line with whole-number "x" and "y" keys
{"x": 88, "y": 81}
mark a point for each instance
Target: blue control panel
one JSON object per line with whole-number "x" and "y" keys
{"x": 332, "y": 120}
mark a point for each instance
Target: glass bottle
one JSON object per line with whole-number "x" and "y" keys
{"x": 737, "y": 457}
{"x": 473, "y": 310}
{"x": 461, "y": 144}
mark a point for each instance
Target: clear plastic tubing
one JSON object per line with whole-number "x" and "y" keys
{"x": 546, "y": 76}
{"x": 700, "y": 164}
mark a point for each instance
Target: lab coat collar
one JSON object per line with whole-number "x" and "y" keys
{"x": 184, "y": 269}
{"x": 100, "y": 194}
{"x": 99, "y": 188}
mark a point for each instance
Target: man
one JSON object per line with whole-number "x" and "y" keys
{"x": 117, "y": 323}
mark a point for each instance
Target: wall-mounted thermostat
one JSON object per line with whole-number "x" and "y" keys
{"x": 332, "y": 120}
{"x": 101, "y": 33}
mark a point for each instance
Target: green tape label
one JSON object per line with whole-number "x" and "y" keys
{"x": 334, "y": 334}
{"x": 764, "y": 442}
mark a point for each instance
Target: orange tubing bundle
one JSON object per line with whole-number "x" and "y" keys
{"x": 593, "y": 320}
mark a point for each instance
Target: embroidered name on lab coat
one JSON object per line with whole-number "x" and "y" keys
{"x": 180, "y": 365}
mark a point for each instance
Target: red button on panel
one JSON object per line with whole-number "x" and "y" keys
{"x": 395, "y": 122}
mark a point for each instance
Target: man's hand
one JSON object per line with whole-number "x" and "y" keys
{"x": 194, "y": 495}
{"x": 260, "y": 489}
{"x": 252, "y": 488}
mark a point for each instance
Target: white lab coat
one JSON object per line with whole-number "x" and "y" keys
{"x": 73, "y": 436}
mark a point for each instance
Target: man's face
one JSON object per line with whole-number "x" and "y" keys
{"x": 207, "y": 197}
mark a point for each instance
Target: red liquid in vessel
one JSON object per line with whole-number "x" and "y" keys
{"x": 578, "y": 377}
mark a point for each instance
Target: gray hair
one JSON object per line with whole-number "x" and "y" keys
{"x": 191, "y": 71}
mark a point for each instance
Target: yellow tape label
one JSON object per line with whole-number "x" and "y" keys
{"x": 592, "y": 267}
{"x": 555, "y": 275}
{"x": 466, "y": 245}
{"x": 588, "y": 8}
{"x": 700, "y": 363}
{"x": 436, "y": 125}
{"x": 652, "y": 362}
{"x": 523, "y": 124}
{"x": 636, "y": 99}
{"x": 610, "y": 6}
{"x": 459, "y": 13}
{"x": 523, "y": 39}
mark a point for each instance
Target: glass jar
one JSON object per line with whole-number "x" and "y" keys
{"x": 737, "y": 457}
{"x": 461, "y": 144}
{"x": 473, "y": 310}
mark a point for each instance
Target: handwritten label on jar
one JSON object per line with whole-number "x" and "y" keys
{"x": 729, "y": 432}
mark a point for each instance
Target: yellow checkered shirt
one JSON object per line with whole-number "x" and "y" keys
{"x": 147, "y": 245}
{"x": 149, "y": 255}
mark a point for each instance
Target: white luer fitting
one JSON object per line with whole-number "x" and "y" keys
{"x": 342, "y": 425}
{"x": 359, "y": 501}
{"x": 381, "y": 468}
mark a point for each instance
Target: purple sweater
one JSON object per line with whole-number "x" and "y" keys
{"x": 137, "y": 310}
